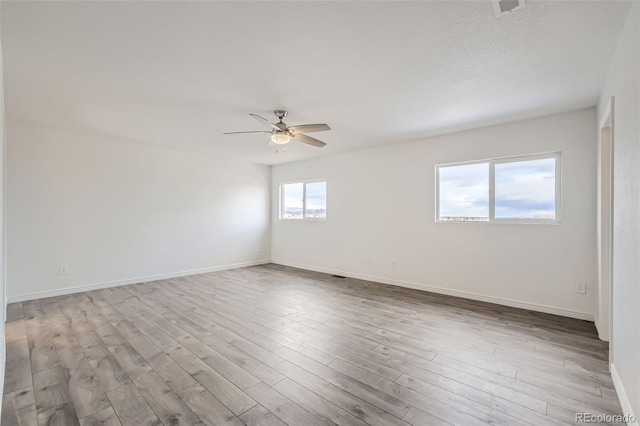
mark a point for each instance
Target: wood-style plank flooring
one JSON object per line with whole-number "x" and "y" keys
{"x": 271, "y": 345}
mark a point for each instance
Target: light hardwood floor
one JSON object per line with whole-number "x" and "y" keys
{"x": 271, "y": 345}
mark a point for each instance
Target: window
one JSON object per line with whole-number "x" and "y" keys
{"x": 303, "y": 200}
{"x": 515, "y": 189}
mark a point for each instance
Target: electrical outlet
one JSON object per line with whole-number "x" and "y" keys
{"x": 393, "y": 265}
{"x": 367, "y": 260}
{"x": 581, "y": 287}
{"x": 63, "y": 270}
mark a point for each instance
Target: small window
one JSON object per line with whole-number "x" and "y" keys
{"x": 303, "y": 200}
{"x": 516, "y": 189}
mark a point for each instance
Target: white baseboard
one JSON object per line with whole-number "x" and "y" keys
{"x": 442, "y": 290}
{"x": 137, "y": 280}
{"x": 622, "y": 395}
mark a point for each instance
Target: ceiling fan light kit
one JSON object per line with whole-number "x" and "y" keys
{"x": 280, "y": 138}
{"x": 282, "y": 134}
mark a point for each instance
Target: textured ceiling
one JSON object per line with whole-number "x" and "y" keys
{"x": 179, "y": 74}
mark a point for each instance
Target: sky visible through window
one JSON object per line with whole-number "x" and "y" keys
{"x": 523, "y": 190}
{"x": 464, "y": 192}
{"x": 293, "y": 194}
{"x": 316, "y": 200}
{"x": 526, "y": 189}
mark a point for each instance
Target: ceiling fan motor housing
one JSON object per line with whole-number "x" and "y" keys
{"x": 280, "y": 113}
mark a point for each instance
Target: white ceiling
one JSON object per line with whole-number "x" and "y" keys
{"x": 179, "y": 74}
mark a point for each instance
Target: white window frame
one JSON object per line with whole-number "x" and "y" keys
{"x": 492, "y": 192}
{"x": 304, "y": 199}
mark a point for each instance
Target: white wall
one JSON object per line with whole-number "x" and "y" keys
{"x": 381, "y": 205}
{"x": 622, "y": 82}
{"x": 116, "y": 211}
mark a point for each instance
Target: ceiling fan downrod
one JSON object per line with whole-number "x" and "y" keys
{"x": 281, "y": 114}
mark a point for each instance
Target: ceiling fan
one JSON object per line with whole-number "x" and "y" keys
{"x": 282, "y": 134}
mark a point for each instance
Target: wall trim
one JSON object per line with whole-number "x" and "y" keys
{"x": 601, "y": 333}
{"x": 127, "y": 281}
{"x": 622, "y": 395}
{"x": 442, "y": 290}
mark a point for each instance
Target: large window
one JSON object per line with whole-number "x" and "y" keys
{"x": 515, "y": 189}
{"x": 303, "y": 200}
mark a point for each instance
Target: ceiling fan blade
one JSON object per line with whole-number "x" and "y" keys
{"x": 307, "y": 139}
{"x": 308, "y": 128}
{"x": 266, "y": 122}
{"x": 251, "y": 131}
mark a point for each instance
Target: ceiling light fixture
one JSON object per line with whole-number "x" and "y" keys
{"x": 280, "y": 138}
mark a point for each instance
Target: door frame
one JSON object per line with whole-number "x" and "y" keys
{"x": 604, "y": 317}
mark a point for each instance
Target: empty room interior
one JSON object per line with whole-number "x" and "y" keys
{"x": 320, "y": 213}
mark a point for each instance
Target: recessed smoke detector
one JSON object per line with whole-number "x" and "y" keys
{"x": 504, "y": 7}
